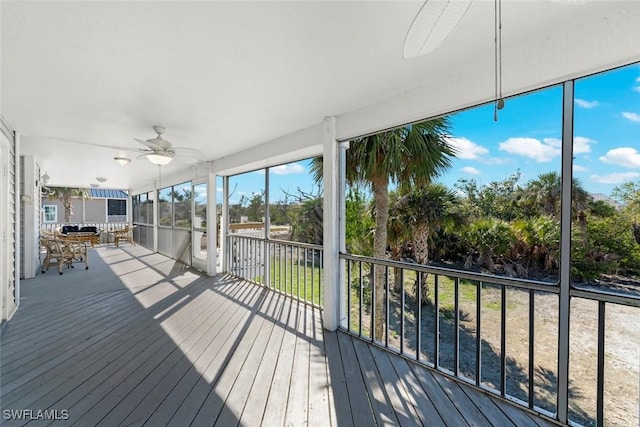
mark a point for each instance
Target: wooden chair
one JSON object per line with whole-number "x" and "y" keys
{"x": 123, "y": 235}
{"x": 55, "y": 251}
{"x": 78, "y": 246}
{"x": 65, "y": 251}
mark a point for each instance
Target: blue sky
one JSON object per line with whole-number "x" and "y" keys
{"x": 525, "y": 137}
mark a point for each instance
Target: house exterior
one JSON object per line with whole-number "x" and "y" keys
{"x": 9, "y": 223}
{"x": 102, "y": 206}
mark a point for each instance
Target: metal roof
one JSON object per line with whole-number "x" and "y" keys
{"x": 102, "y": 193}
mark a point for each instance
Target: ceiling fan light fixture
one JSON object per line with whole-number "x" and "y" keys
{"x": 432, "y": 25}
{"x": 159, "y": 159}
{"x": 122, "y": 160}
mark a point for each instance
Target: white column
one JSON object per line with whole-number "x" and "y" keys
{"x": 212, "y": 231}
{"x": 129, "y": 207}
{"x": 156, "y": 207}
{"x": 17, "y": 257}
{"x": 224, "y": 224}
{"x": 30, "y": 206}
{"x": 565, "y": 254}
{"x": 331, "y": 224}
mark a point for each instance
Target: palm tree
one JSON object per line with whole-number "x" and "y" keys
{"x": 545, "y": 192}
{"x": 426, "y": 211}
{"x": 407, "y": 156}
{"x": 66, "y": 196}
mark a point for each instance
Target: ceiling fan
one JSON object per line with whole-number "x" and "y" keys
{"x": 159, "y": 151}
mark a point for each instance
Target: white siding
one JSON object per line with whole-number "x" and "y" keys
{"x": 8, "y": 222}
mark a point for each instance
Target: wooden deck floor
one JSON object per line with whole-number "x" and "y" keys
{"x": 141, "y": 340}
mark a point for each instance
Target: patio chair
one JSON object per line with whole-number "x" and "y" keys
{"x": 55, "y": 251}
{"x": 123, "y": 235}
{"x": 77, "y": 245}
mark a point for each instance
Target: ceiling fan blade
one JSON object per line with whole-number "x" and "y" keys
{"x": 187, "y": 151}
{"x": 149, "y": 143}
{"x": 432, "y": 25}
{"x": 91, "y": 144}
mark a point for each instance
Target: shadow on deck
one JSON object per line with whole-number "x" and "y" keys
{"x": 140, "y": 339}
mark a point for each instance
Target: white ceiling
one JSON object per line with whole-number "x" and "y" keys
{"x": 227, "y": 76}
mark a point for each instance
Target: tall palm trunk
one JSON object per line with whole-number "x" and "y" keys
{"x": 380, "y": 188}
{"x": 67, "y": 203}
{"x": 420, "y": 242}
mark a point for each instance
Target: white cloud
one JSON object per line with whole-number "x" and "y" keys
{"x": 634, "y": 117}
{"x": 554, "y": 142}
{"x": 636, "y": 88}
{"x": 219, "y": 189}
{"x": 586, "y": 104}
{"x": 287, "y": 169}
{"x": 582, "y": 145}
{"x": 615, "y": 178}
{"x": 467, "y": 149}
{"x": 471, "y": 170}
{"x": 532, "y": 148}
{"x": 290, "y": 168}
{"x": 622, "y": 156}
{"x": 578, "y": 168}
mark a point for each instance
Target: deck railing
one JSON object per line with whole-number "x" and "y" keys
{"x": 292, "y": 268}
{"x": 499, "y": 334}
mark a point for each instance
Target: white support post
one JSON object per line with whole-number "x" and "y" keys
{"x": 31, "y": 210}
{"x": 331, "y": 225}
{"x": 156, "y": 216}
{"x": 17, "y": 256}
{"x": 266, "y": 252}
{"x": 342, "y": 289}
{"x": 224, "y": 224}
{"x": 212, "y": 232}
{"x": 129, "y": 207}
{"x": 565, "y": 254}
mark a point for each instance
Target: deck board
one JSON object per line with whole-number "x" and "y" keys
{"x": 141, "y": 340}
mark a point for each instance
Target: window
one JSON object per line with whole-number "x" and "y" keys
{"x": 147, "y": 208}
{"x": 165, "y": 211}
{"x": 200, "y": 205}
{"x": 50, "y": 213}
{"x": 182, "y": 205}
{"x": 116, "y": 207}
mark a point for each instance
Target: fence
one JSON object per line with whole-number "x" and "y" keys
{"x": 294, "y": 269}
{"x": 501, "y": 335}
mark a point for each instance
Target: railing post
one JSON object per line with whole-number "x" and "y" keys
{"x": 331, "y": 224}
{"x": 565, "y": 254}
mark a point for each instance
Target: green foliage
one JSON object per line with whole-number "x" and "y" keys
{"x": 537, "y": 242}
{"x": 360, "y": 222}
{"x": 489, "y": 237}
{"x": 494, "y": 200}
{"x": 306, "y": 221}
{"x": 628, "y": 194}
{"x": 611, "y": 249}
{"x": 601, "y": 209}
